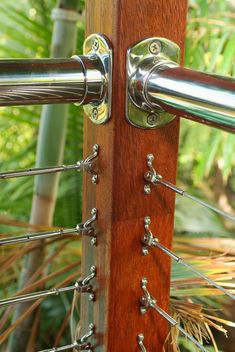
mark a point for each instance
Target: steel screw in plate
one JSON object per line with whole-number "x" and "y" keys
{"x": 152, "y": 119}
{"x": 155, "y": 47}
{"x": 94, "y": 114}
{"x": 95, "y": 44}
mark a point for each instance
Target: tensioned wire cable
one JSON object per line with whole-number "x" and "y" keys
{"x": 174, "y": 323}
{"x": 149, "y": 240}
{"x": 83, "y": 285}
{"x": 152, "y": 177}
{"x": 38, "y": 236}
{"x": 39, "y": 171}
{"x": 183, "y": 193}
{"x": 148, "y": 301}
{"x": 188, "y": 266}
{"x": 81, "y": 229}
{"x": 36, "y": 295}
{"x": 81, "y": 165}
{"x": 62, "y": 348}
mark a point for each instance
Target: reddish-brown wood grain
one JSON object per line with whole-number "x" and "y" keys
{"x": 119, "y": 195}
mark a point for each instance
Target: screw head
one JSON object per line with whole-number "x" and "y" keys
{"x": 147, "y": 220}
{"x": 94, "y": 114}
{"x": 144, "y": 282}
{"x": 150, "y": 158}
{"x": 94, "y": 179}
{"x": 93, "y": 241}
{"x": 91, "y": 297}
{"x": 147, "y": 189}
{"x": 95, "y": 44}
{"x": 145, "y": 251}
{"x": 153, "y": 119}
{"x": 155, "y": 47}
{"x": 143, "y": 310}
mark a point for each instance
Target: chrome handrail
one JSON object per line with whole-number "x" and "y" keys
{"x": 48, "y": 81}
{"x": 83, "y": 79}
{"x": 204, "y": 98}
{"x": 158, "y": 86}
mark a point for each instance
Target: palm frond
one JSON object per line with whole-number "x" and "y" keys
{"x": 196, "y": 322}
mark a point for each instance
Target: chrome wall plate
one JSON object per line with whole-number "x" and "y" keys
{"x": 141, "y": 59}
{"x": 98, "y": 45}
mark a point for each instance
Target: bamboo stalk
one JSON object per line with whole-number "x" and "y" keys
{"x": 50, "y": 150}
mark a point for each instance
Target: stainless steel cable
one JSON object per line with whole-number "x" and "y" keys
{"x": 80, "y": 345}
{"x": 148, "y": 301}
{"x": 82, "y": 165}
{"x": 191, "y": 268}
{"x": 149, "y": 240}
{"x": 82, "y": 286}
{"x": 183, "y": 193}
{"x": 37, "y": 236}
{"x": 174, "y": 323}
{"x": 151, "y": 177}
{"x": 62, "y": 348}
{"x": 32, "y": 296}
{"x": 39, "y": 171}
{"x": 84, "y": 229}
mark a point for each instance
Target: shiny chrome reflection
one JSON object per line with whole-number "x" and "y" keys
{"x": 198, "y": 96}
{"x": 49, "y": 81}
{"x": 84, "y": 80}
{"x": 157, "y": 85}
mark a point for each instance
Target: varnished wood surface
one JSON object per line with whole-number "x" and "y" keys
{"x": 119, "y": 195}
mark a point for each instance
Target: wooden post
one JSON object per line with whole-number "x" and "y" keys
{"x": 119, "y": 195}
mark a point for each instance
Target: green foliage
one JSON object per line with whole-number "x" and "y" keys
{"x": 27, "y": 34}
{"x": 19, "y": 125}
{"x": 205, "y": 154}
{"x": 210, "y": 47}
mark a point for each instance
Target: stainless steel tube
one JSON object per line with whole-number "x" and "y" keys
{"x": 47, "y": 81}
{"x": 36, "y": 295}
{"x": 38, "y": 171}
{"x": 38, "y": 236}
{"x": 204, "y": 98}
{"x": 62, "y": 348}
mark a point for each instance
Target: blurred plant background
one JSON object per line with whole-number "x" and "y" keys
{"x": 206, "y": 169}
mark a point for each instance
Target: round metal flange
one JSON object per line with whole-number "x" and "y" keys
{"x": 99, "y": 45}
{"x": 141, "y": 59}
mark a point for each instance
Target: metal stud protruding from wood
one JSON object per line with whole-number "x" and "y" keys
{"x": 140, "y": 339}
{"x": 148, "y": 239}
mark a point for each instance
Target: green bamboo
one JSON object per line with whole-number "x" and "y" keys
{"x": 50, "y": 151}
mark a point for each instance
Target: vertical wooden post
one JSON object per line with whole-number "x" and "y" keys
{"x": 119, "y": 195}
